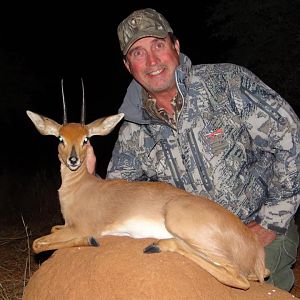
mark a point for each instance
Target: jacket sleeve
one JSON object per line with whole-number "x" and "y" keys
{"x": 125, "y": 161}
{"x": 275, "y": 128}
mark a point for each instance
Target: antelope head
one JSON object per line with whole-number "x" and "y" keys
{"x": 73, "y": 137}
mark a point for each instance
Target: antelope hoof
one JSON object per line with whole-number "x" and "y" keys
{"x": 93, "y": 242}
{"x": 38, "y": 246}
{"x": 153, "y": 248}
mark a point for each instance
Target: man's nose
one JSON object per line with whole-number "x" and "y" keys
{"x": 153, "y": 59}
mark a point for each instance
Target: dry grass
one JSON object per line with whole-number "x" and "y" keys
{"x": 28, "y": 207}
{"x": 17, "y": 261}
{"x": 16, "y": 264}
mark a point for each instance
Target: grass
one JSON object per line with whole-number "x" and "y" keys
{"x": 29, "y": 208}
{"x": 14, "y": 269}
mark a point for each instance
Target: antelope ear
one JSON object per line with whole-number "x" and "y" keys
{"x": 104, "y": 126}
{"x": 43, "y": 124}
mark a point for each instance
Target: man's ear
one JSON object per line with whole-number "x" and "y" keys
{"x": 126, "y": 65}
{"x": 177, "y": 46}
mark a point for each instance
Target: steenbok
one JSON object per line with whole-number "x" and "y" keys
{"x": 193, "y": 226}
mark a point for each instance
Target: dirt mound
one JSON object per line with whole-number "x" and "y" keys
{"x": 118, "y": 269}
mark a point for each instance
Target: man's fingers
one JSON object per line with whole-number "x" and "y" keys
{"x": 90, "y": 159}
{"x": 265, "y": 236}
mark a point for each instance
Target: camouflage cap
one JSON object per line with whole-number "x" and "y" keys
{"x": 142, "y": 23}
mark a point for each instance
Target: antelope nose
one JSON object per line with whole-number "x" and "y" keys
{"x": 73, "y": 160}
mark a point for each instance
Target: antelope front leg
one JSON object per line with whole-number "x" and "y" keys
{"x": 63, "y": 238}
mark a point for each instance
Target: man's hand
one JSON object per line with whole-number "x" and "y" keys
{"x": 265, "y": 236}
{"x": 90, "y": 159}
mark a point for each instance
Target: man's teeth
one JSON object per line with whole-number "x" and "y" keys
{"x": 156, "y": 72}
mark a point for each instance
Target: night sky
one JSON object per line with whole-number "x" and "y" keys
{"x": 41, "y": 45}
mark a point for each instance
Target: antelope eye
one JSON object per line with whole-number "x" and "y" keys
{"x": 61, "y": 140}
{"x": 86, "y": 139}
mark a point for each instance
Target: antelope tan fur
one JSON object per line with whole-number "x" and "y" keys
{"x": 193, "y": 226}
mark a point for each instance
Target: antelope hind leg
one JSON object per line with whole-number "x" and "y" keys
{"x": 62, "y": 238}
{"x": 220, "y": 268}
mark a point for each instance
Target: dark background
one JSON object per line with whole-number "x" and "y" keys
{"x": 43, "y": 43}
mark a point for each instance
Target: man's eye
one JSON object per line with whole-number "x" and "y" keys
{"x": 86, "y": 139}
{"x": 138, "y": 53}
{"x": 160, "y": 45}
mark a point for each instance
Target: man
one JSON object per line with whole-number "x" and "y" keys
{"x": 215, "y": 130}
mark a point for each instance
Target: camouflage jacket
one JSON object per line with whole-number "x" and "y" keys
{"x": 236, "y": 141}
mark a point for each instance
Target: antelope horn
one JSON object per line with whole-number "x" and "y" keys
{"x": 64, "y": 103}
{"x": 82, "y": 121}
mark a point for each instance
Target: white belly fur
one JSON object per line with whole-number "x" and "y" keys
{"x": 140, "y": 229}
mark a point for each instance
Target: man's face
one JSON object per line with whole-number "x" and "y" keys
{"x": 152, "y": 62}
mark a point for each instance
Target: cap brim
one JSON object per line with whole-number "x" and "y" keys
{"x": 142, "y": 34}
